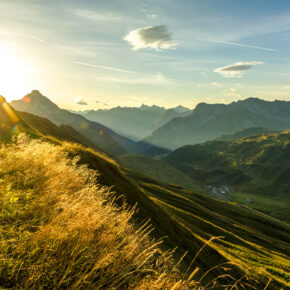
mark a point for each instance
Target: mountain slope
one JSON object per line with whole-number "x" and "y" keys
{"x": 187, "y": 219}
{"x": 245, "y": 133}
{"x": 210, "y": 121}
{"x": 257, "y": 164}
{"x": 169, "y": 115}
{"x": 136, "y": 123}
{"x": 101, "y": 136}
{"x": 157, "y": 170}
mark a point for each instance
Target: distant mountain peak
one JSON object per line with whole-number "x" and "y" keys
{"x": 37, "y": 99}
{"x": 145, "y": 107}
{"x": 181, "y": 109}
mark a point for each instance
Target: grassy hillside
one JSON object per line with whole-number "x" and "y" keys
{"x": 258, "y": 164}
{"x": 249, "y": 238}
{"x": 187, "y": 220}
{"x": 46, "y": 128}
{"x": 158, "y": 170}
{"x": 245, "y": 133}
{"x": 60, "y": 229}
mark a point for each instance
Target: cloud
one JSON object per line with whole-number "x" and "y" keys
{"x": 96, "y": 16}
{"x": 157, "y": 79}
{"x": 101, "y": 103}
{"x": 236, "y": 69}
{"x": 152, "y": 16}
{"x": 155, "y": 37}
{"x": 217, "y": 85}
{"x": 81, "y": 102}
{"x": 246, "y": 45}
{"x": 105, "y": 67}
{"x": 232, "y": 92}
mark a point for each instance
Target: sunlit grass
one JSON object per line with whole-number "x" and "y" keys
{"x": 59, "y": 228}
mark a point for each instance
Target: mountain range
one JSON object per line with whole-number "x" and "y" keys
{"x": 135, "y": 122}
{"x": 101, "y": 136}
{"x": 210, "y": 121}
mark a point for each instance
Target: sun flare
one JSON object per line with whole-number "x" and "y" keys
{"x": 14, "y": 73}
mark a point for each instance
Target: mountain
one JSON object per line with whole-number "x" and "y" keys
{"x": 210, "y": 121}
{"x": 101, "y": 136}
{"x": 256, "y": 167}
{"x": 238, "y": 234}
{"x": 135, "y": 122}
{"x": 181, "y": 109}
{"x": 245, "y": 133}
{"x": 170, "y": 114}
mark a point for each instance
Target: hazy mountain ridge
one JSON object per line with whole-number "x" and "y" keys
{"x": 210, "y": 121}
{"x": 135, "y": 122}
{"x": 102, "y": 136}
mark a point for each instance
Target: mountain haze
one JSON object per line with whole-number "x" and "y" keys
{"x": 210, "y": 121}
{"x": 101, "y": 136}
{"x": 135, "y": 122}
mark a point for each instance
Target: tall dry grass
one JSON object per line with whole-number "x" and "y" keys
{"x": 59, "y": 228}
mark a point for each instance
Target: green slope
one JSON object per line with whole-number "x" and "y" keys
{"x": 257, "y": 165}
{"x": 158, "y": 170}
{"x": 245, "y": 133}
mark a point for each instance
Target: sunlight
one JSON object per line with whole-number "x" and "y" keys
{"x": 14, "y": 73}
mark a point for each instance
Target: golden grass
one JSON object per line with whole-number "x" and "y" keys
{"x": 60, "y": 228}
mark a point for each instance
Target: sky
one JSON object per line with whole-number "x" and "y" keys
{"x": 94, "y": 54}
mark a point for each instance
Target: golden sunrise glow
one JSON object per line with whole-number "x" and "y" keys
{"x": 14, "y": 73}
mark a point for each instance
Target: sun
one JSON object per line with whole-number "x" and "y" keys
{"x": 15, "y": 73}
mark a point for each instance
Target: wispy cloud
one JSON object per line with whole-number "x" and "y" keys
{"x": 105, "y": 67}
{"x": 139, "y": 78}
{"x": 236, "y": 69}
{"x": 151, "y": 15}
{"x": 155, "y": 37}
{"x": 81, "y": 102}
{"x": 75, "y": 50}
{"x": 215, "y": 84}
{"x": 245, "y": 45}
{"x": 96, "y": 16}
{"x": 232, "y": 92}
{"x": 155, "y": 80}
